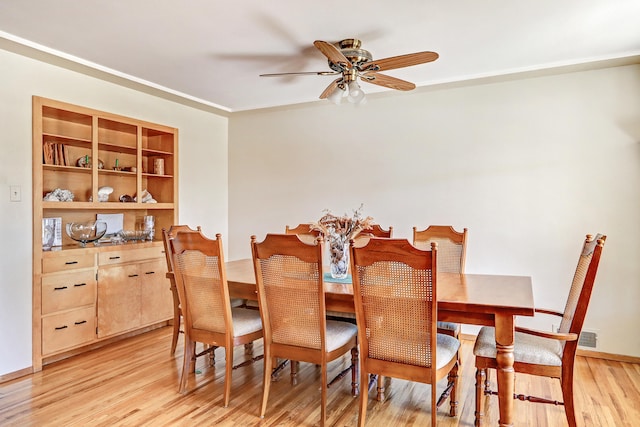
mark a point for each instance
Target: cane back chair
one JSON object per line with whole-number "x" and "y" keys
{"x": 452, "y": 250}
{"x": 291, "y": 298}
{"x": 177, "y": 312}
{"x": 542, "y": 353}
{"x": 395, "y": 296}
{"x": 204, "y": 298}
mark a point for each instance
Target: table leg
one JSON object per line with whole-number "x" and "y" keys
{"x": 504, "y": 344}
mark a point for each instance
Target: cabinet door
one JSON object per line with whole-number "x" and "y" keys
{"x": 156, "y": 300}
{"x": 118, "y": 299}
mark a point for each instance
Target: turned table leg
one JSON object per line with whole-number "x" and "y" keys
{"x": 504, "y": 344}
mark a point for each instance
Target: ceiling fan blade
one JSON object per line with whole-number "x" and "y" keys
{"x": 330, "y": 89}
{"x": 302, "y": 73}
{"x": 333, "y": 53}
{"x": 387, "y": 81}
{"x": 399, "y": 61}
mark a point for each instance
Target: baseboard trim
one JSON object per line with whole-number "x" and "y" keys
{"x": 607, "y": 356}
{"x": 17, "y": 374}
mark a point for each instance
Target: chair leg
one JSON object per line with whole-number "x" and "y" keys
{"x": 354, "y": 371}
{"x": 323, "y": 408}
{"x": 567, "y": 395}
{"x": 294, "y": 372}
{"x": 434, "y": 405}
{"x": 266, "y": 381}
{"x": 188, "y": 362}
{"x": 176, "y": 330}
{"x": 453, "y": 398}
{"x": 227, "y": 374}
{"x": 380, "y": 389}
{"x": 248, "y": 348}
{"x": 364, "y": 397}
{"x": 481, "y": 383}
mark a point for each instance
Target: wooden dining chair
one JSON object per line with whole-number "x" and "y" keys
{"x": 201, "y": 281}
{"x": 548, "y": 354}
{"x": 177, "y": 312}
{"x": 291, "y": 299}
{"x": 452, "y": 250}
{"x": 395, "y": 297}
{"x": 304, "y": 232}
{"x": 375, "y": 231}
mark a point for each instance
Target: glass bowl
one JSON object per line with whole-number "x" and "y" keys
{"x": 134, "y": 235}
{"x": 85, "y": 232}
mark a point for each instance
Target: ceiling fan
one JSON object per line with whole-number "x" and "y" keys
{"x": 351, "y": 62}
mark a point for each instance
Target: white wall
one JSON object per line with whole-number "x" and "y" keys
{"x": 528, "y": 166}
{"x": 203, "y": 174}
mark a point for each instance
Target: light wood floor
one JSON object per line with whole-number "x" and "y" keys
{"x": 135, "y": 382}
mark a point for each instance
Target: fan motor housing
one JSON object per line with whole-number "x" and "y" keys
{"x": 350, "y": 48}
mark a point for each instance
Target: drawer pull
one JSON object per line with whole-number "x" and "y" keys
{"x": 81, "y": 322}
{"x": 133, "y": 275}
{"x": 150, "y": 272}
{"x": 61, "y": 327}
{"x": 80, "y": 284}
{"x": 59, "y": 288}
{"x": 70, "y": 262}
{"x": 114, "y": 257}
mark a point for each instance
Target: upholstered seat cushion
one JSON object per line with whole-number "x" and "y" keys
{"x": 446, "y": 349}
{"x": 339, "y": 333}
{"x": 527, "y": 348}
{"x": 245, "y": 321}
{"x": 449, "y": 326}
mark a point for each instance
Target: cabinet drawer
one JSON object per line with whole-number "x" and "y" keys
{"x": 68, "y": 290}
{"x": 130, "y": 255}
{"x": 67, "y": 262}
{"x": 70, "y": 329}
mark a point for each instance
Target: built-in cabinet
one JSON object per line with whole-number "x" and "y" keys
{"x": 83, "y": 295}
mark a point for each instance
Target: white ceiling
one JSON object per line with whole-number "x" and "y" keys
{"x": 213, "y": 51}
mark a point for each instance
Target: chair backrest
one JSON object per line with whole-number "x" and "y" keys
{"x": 452, "y": 246}
{"x": 201, "y": 281}
{"x": 394, "y": 286}
{"x": 377, "y": 231}
{"x": 169, "y": 234}
{"x": 582, "y": 285}
{"x": 290, "y": 290}
{"x": 304, "y": 232}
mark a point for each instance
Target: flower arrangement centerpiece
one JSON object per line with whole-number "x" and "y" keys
{"x": 337, "y": 231}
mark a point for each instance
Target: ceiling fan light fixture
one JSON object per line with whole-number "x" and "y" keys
{"x": 356, "y": 94}
{"x": 336, "y": 95}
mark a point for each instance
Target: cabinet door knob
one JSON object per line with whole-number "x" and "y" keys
{"x": 133, "y": 275}
{"x": 59, "y": 288}
{"x": 71, "y": 262}
{"x": 61, "y": 327}
{"x": 80, "y": 284}
{"x": 114, "y": 257}
{"x": 150, "y": 272}
{"x": 81, "y": 322}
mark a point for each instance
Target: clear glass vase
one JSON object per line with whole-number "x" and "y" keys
{"x": 338, "y": 258}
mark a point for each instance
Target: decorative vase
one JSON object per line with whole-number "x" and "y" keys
{"x": 339, "y": 258}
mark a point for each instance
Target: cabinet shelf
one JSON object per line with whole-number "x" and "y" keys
{"x": 98, "y": 206}
{"x": 62, "y": 134}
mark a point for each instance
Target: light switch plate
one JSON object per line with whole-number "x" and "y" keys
{"x": 15, "y": 193}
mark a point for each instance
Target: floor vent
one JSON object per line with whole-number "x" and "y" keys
{"x": 588, "y": 339}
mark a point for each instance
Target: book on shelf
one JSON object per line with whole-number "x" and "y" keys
{"x": 55, "y": 154}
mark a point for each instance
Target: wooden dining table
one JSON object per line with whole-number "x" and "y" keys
{"x": 478, "y": 299}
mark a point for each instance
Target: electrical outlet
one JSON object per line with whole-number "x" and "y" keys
{"x": 15, "y": 193}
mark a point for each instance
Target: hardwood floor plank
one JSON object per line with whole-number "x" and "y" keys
{"x": 135, "y": 383}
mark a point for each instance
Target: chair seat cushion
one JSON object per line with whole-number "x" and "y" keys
{"x": 449, "y": 326}
{"x": 339, "y": 333}
{"x": 245, "y": 321}
{"x": 527, "y": 348}
{"x": 446, "y": 349}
